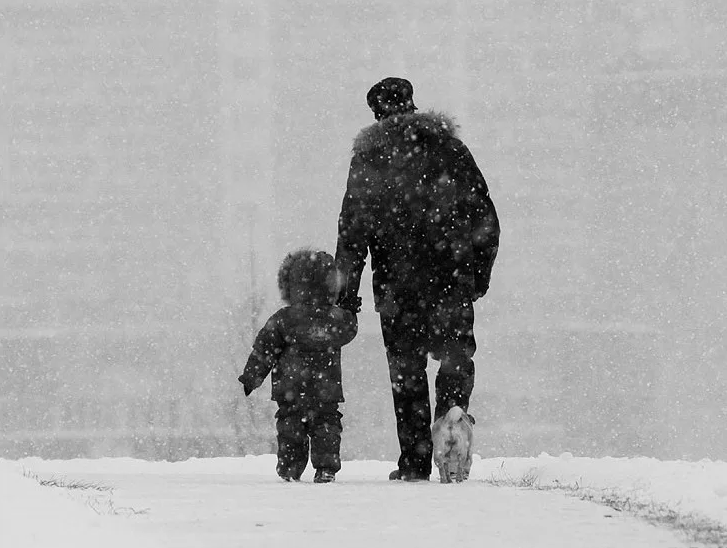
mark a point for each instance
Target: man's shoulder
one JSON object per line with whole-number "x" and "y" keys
{"x": 384, "y": 134}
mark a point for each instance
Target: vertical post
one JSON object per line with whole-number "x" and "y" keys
{"x": 459, "y": 57}
{"x": 6, "y": 100}
{"x": 398, "y": 46}
{"x": 247, "y": 110}
{"x": 246, "y": 150}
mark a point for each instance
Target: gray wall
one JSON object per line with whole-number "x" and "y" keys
{"x": 158, "y": 159}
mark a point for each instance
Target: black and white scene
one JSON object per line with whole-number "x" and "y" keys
{"x": 363, "y": 274}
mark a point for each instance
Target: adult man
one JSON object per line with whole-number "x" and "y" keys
{"x": 417, "y": 201}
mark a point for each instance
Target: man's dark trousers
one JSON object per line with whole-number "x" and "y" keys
{"x": 443, "y": 329}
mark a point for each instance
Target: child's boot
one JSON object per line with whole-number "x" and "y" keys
{"x": 323, "y": 475}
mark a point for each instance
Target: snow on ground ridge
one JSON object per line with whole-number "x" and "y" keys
{"x": 689, "y": 488}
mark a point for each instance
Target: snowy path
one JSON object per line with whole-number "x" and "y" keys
{"x": 252, "y": 508}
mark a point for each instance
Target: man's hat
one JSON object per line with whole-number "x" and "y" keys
{"x": 391, "y": 96}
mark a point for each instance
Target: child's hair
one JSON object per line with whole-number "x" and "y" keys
{"x": 308, "y": 274}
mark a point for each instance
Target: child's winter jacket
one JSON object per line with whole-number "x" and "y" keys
{"x": 301, "y": 345}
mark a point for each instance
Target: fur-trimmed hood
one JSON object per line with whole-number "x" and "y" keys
{"x": 413, "y": 126}
{"x": 308, "y": 276}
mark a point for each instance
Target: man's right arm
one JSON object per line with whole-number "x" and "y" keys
{"x": 352, "y": 246}
{"x": 483, "y": 216}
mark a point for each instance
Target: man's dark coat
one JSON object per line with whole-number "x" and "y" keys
{"x": 417, "y": 201}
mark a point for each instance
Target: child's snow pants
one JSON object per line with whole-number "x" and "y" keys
{"x": 304, "y": 428}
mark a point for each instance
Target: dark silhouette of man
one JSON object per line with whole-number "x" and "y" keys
{"x": 417, "y": 202}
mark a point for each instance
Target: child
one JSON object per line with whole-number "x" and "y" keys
{"x": 301, "y": 344}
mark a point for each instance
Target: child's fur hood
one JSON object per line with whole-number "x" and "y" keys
{"x": 308, "y": 276}
{"x": 384, "y": 133}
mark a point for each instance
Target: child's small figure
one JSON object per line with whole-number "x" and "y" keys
{"x": 301, "y": 345}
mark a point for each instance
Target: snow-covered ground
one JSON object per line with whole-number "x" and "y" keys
{"x": 240, "y": 502}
